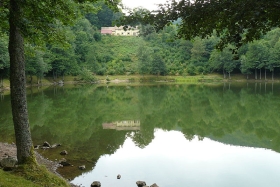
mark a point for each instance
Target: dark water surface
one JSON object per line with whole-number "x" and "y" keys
{"x": 173, "y": 135}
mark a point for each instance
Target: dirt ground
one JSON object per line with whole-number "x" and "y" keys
{"x": 10, "y": 150}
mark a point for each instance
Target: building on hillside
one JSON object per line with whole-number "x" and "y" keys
{"x": 119, "y": 31}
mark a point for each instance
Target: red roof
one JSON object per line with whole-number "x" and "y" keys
{"x": 106, "y": 31}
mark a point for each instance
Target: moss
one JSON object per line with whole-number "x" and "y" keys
{"x": 8, "y": 179}
{"x": 30, "y": 174}
{"x": 38, "y": 175}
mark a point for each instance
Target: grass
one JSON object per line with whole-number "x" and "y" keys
{"x": 30, "y": 176}
{"x": 6, "y": 83}
{"x": 210, "y": 78}
{"x": 8, "y": 179}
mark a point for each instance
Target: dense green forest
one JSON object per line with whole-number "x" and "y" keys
{"x": 87, "y": 53}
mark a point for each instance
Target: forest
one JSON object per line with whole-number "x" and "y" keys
{"x": 86, "y": 53}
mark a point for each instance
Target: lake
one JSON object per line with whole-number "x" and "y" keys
{"x": 201, "y": 135}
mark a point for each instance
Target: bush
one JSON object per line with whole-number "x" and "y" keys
{"x": 191, "y": 70}
{"x": 86, "y": 75}
{"x": 97, "y": 36}
{"x": 101, "y": 71}
{"x": 200, "y": 69}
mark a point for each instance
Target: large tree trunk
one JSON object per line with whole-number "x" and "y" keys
{"x": 18, "y": 87}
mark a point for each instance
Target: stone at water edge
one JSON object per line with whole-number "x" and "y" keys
{"x": 141, "y": 183}
{"x": 64, "y": 152}
{"x": 82, "y": 167}
{"x": 95, "y": 184}
{"x": 154, "y": 185}
{"x": 64, "y": 162}
{"x": 46, "y": 144}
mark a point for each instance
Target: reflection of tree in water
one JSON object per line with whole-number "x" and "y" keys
{"x": 188, "y": 133}
{"x": 75, "y": 116}
{"x": 140, "y": 139}
{"x": 143, "y": 137}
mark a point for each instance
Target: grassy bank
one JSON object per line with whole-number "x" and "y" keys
{"x": 119, "y": 78}
{"x": 30, "y": 176}
{"x": 153, "y": 78}
{"x": 210, "y": 78}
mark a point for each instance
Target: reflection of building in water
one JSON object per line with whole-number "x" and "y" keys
{"x": 123, "y": 125}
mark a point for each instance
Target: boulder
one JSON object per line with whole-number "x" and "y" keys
{"x": 95, "y": 184}
{"x": 82, "y": 167}
{"x": 64, "y": 152}
{"x": 44, "y": 147}
{"x": 64, "y": 162}
{"x": 141, "y": 183}
{"x": 119, "y": 176}
{"x": 154, "y": 185}
{"x": 8, "y": 163}
{"x": 46, "y": 144}
{"x": 55, "y": 145}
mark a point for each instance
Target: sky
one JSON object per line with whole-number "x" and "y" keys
{"x": 148, "y": 4}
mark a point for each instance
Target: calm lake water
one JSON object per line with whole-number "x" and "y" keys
{"x": 173, "y": 135}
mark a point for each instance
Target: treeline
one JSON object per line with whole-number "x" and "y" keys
{"x": 59, "y": 58}
{"x": 181, "y": 57}
{"x": 87, "y": 53}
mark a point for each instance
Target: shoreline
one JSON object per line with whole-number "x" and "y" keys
{"x": 7, "y": 149}
{"x": 161, "y": 79}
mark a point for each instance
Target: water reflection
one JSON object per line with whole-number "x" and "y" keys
{"x": 128, "y": 125}
{"x": 87, "y": 121}
{"x": 171, "y": 160}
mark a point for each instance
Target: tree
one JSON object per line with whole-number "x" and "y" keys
{"x": 63, "y": 61}
{"x": 37, "y": 66}
{"x": 257, "y": 56}
{"x": 245, "y": 66}
{"x": 198, "y": 53}
{"x": 158, "y": 65}
{"x": 33, "y": 21}
{"x": 235, "y": 22}
{"x": 274, "y": 58}
{"x": 273, "y": 39}
{"x": 144, "y": 60}
{"x": 84, "y": 35}
{"x": 223, "y": 60}
{"x": 104, "y": 17}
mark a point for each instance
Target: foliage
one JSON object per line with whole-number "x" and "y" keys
{"x": 86, "y": 75}
{"x": 144, "y": 60}
{"x": 223, "y": 60}
{"x": 158, "y": 66}
{"x": 4, "y": 58}
{"x": 36, "y": 65}
{"x": 85, "y": 49}
{"x": 236, "y": 22}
